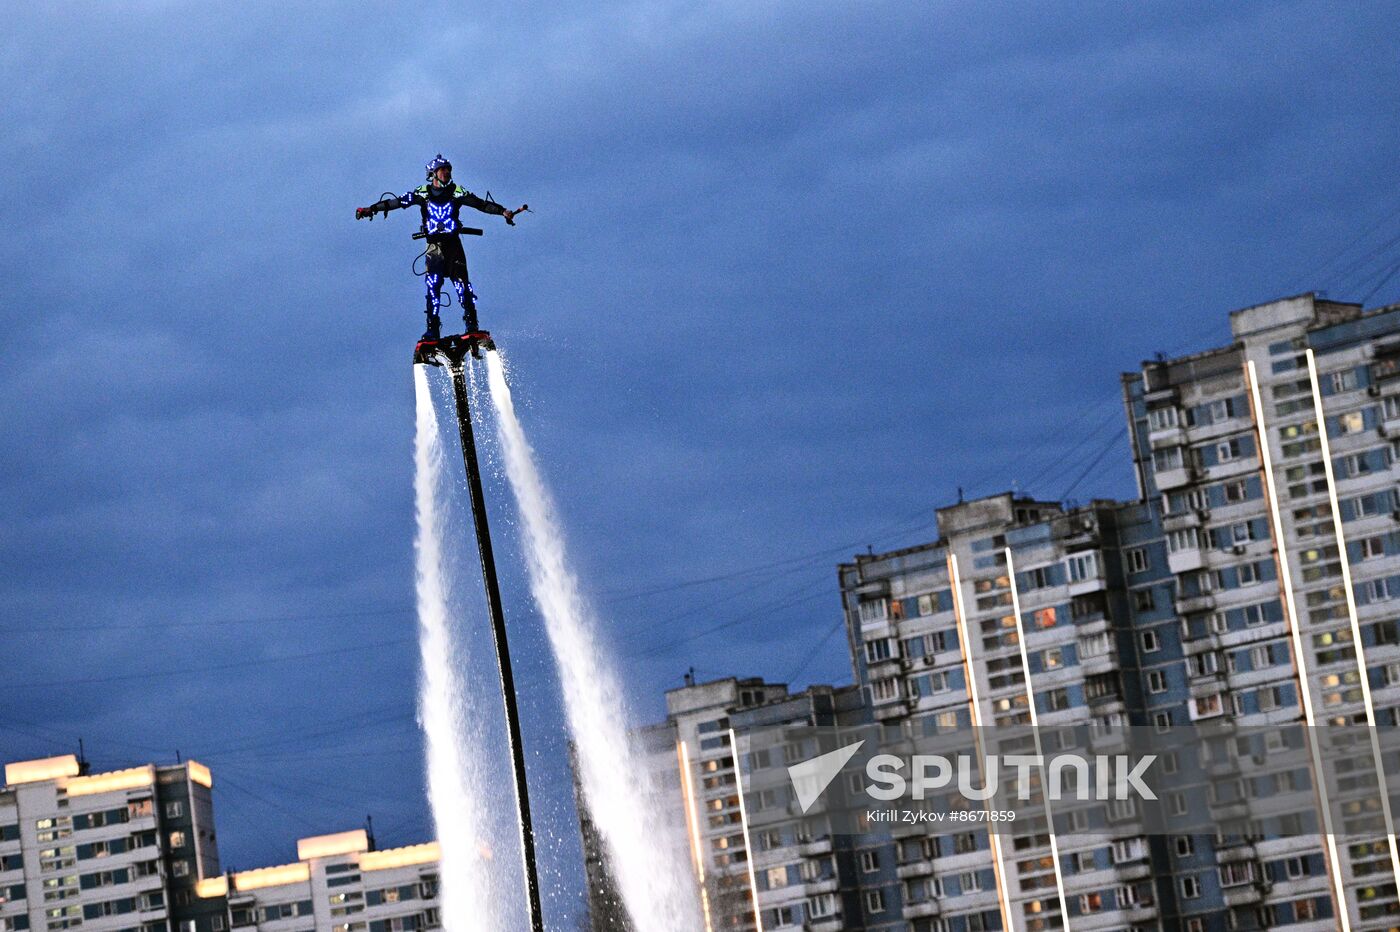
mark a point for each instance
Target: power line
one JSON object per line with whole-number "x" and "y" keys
{"x": 1102, "y": 453}
{"x": 267, "y": 619}
{"x": 816, "y": 648}
{"x": 747, "y": 616}
{"x": 186, "y": 671}
{"x": 1302, "y": 280}
{"x": 1389, "y": 274}
{"x": 897, "y": 527}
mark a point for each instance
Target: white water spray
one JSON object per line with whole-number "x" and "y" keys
{"x": 645, "y": 850}
{"x": 455, "y": 782}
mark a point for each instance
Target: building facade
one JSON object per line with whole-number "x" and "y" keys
{"x": 135, "y": 851}
{"x": 1254, "y": 584}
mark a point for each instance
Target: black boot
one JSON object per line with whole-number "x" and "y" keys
{"x": 469, "y": 310}
{"x": 434, "y": 331}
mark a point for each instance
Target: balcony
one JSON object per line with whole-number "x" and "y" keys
{"x": 914, "y": 869}
{"x": 814, "y": 847}
{"x": 891, "y": 710}
{"x": 1244, "y": 851}
{"x": 1095, "y": 583}
{"x": 1235, "y": 810}
{"x": 820, "y": 885}
{"x": 1200, "y": 644}
{"x": 1136, "y": 870}
{"x": 1174, "y": 478}
{"x": 1185, "y": 520}
{"x": 1244, "y": 895}
{"x": 929, "y": 907}
{"x": 823, "y": 923}
{"x": 1195, "y": 604}
{"x": 1207, "y": 684}
{"x": 885, "y": 666}
{"x": 1163, "y": 437}
{"x": 1184, "y": 561}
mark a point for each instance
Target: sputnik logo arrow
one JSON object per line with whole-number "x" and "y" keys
{"x": 811, "y": 777}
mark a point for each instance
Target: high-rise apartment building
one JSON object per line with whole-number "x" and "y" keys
{"x": 135, "y": 850}
{"x": 1270, "y": 466}
{"x": 1253, "y": 585}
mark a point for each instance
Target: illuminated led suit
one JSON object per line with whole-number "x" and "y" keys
{"x": 445, "y": 257}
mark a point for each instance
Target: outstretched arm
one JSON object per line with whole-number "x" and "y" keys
{"x": 386, "y": 205}
{"x": 485, "y": 206}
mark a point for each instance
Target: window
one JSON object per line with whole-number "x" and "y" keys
{"x": 1162, "y": 721}
{"x": 174, "y": 809}
{"x": 877, "y": 650}
{"x": 1156, "y": 681}
{"x": 823, "y": 905}
{"x": 1095, "y": 645}
{"x": 177, "y": 839}
{"x": 874, "y": 610}
{"x": 1206, "y": 706}
{"x": 885, "y": 690}
{"x": 1185, "y": 539}
{"x": 1137, "y": 560}
{"x": 1129, "y": 849}
{"x": 1249, "y": 574}
{"x": 1343, "y": 381}
{"x": 1161, "y": 418}
{"x": 874, "y": 901}
{"x": 869, "y": 861}
{"x": 1168, "y": 458}
{"x": 1237, "y": 873}
{"x": 1350, "y": 423}
{"x": 1142, "y": 600}
{"x": 1090, "y": 902}
{"x": 1150, "y": 642}
{"x": 180, "y": 868}
{"x": 1372, "y": 547}
{"x": 1082, "y": 566}
{"x": 1185, "y": 846}
{"x": 1190, "y": 887}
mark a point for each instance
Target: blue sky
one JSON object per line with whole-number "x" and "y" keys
{"x": 796, "y": 272}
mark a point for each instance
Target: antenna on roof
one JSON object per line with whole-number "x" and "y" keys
{"x": 369, "y": 830}
{"x": 690, "y": 677}
{"x": 82, "y": 758}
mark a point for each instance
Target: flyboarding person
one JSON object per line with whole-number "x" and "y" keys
{"x": 439, "y": 200}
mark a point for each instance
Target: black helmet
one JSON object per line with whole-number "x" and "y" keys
{"x": 439, "y": 162}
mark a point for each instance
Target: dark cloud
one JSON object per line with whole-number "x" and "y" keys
{"x": 796, "y": 272}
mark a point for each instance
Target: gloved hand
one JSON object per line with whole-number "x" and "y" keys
{"x": 363, "y": 212}
{"x": 510, "y": 217}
